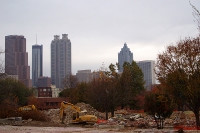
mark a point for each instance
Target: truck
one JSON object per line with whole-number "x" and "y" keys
{"x": 78, "y": 116}
{"x": 28, "y": 108}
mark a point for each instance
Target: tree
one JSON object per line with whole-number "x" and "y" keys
{"x": 159, "y": 106}
{"x": 182, "y": 60}
{"x": 14, "y": 90}
{"x": 176, "y": 86}
{"x": 131, "y": 84}
{"x": 69, "y": 82}
{"x": 196, "y": 15}
{"x": 13, "y": 93}
{"x": 101, "y": 93}
{"x": 79, "y": 94}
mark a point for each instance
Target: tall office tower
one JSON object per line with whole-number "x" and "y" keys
{"x": 147, "y": 68}
{"x": 16, "y": 58}
{"x": 60, "y": 59}
{"x": 37, "y": 63}
{"x": 125, "y": 55}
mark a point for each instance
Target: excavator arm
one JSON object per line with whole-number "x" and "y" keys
{"x": 76, "y": 115}
{"x": 65, "y": 105}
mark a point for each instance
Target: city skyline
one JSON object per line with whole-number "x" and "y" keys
{"x": 98, "y": 29}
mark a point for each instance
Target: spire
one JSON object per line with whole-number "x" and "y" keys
{"x": 36, "y": 38}
{"x": 125, "y": 45}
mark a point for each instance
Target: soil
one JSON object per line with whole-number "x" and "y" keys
{"x": 43, "y": 124}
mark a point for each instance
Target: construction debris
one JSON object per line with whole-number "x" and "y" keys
{"x": 123, "y": 118}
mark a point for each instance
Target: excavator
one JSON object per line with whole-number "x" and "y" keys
{"x": 28, "y": 108}
{"x": 78, "y": 115}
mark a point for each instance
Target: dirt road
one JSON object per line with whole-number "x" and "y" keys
{"x": 50, "y": 127}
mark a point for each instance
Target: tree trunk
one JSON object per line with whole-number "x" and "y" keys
{"x": 122, "y": 106}
{"x": 112, "y": 112}
{"x": 196, "y": 112}
{"x": 106, "y": 115}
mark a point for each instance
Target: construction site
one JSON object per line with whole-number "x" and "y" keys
{"x": 66, "y": 120}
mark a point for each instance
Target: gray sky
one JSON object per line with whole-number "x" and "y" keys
{"x": 98, "y": 29}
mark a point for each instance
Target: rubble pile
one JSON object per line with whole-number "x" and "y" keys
{"x": 88, "y": 107}
{"x": 53, "y": 115}
{"x": 122, "y": 117}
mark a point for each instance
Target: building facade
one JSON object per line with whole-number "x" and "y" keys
{"x": 60, "y": 59}
{"x": 84, "y": 75}
{"x": 37, "y": 63}
{"x": 45, "y": 103}
{"x": 125, "y": 55}
{"x": 147, "y": 68}
{"x": 44, "y": 92}
{"x": 16, "y": 58}
{"x": 44, "y": 82}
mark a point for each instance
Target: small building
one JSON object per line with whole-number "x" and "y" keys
{"x": 55, "y": 91}
{"x": 44, "y": 92}
{"x": 44, "y": 103}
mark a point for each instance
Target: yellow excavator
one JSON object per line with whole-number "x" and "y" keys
{"x": 28, "y": 108}
{"x": 78, "y": 115}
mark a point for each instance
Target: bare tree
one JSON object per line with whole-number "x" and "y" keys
{"x": 69, "y": 82}
{"x": 196, "y": 15}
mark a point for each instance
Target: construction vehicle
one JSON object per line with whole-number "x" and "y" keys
{"x": 78, "y": 116}
{"x": 28, "y": 108}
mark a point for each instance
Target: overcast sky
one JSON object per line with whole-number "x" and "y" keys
{"x": 98, "y": 29}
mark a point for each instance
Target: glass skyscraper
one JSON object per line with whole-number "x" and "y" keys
{"x": 125, "y": 55}
{"x": 37, "y": 63}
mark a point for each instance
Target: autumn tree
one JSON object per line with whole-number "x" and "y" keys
{"x": 176, "y": 86}
{"x": 178, "y": 68}
{"x": 159, "y": 105}
{"x": 101, "y": 93}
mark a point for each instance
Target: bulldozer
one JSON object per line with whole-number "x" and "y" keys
{"x": 78, "y": 115}
{"x": 28, "y": 108}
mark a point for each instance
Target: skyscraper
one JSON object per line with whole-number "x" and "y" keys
{"x": 125, "y": 55}
{"x": 37, "y": 63}
{"x": 16, "y": 58}
{"x": 147, "y": 68}
{"x": 60, "y": 59}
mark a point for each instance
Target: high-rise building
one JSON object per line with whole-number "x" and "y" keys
{"x": 16, "y": 58}
{"x": 60, "y": 59}
{"x": 37, "y": 63}
{"x": 147, "y": 68}
{"x": 125, "y": 55}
